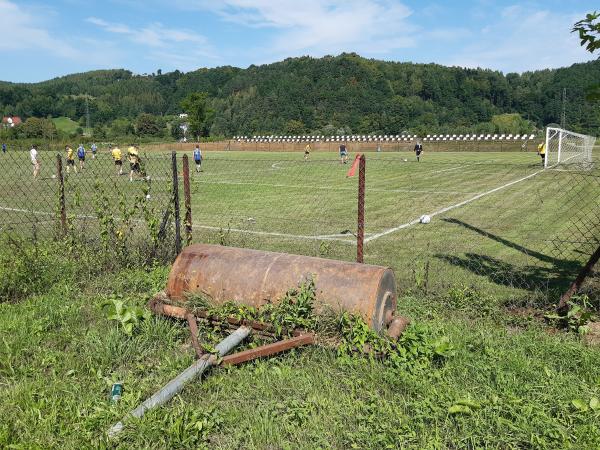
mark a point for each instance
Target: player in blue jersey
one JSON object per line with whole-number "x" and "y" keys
{"x": 198, "y": 158}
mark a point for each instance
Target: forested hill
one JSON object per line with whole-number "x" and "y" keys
{"x": 345, "y": 93}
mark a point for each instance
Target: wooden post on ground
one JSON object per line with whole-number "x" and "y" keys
{"x": 585, "y": 271}
{"x": 61, "y": 195}
{"x": 360, "y": 232}
{"x": 176, "y": 203}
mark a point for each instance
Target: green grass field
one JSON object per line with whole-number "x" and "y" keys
{"x": 503, "y": 235}
{"x": 65, "y": 124}
{"x": 498, "y": 220}
{"x": 528, "y": 386}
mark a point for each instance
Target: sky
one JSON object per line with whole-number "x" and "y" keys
{"x": 42, "y": 40}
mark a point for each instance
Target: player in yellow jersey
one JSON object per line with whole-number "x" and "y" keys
{"x": 134, "y": 161}
{"x": 542, "y": 153}
{"x": 70, "y": 159}
{"x": 307, "y": 150}
{"x": 117, "y": 156}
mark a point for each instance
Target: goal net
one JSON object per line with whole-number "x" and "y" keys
{"x": 567, "y": 147}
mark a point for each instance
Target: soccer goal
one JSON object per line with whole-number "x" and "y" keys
{"x": 567, "y": 147}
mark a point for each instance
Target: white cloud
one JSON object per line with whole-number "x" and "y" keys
{"x": 153, "y": 35}
{"x": 521, "y": 39}
{"x": 21, "y": 30}
{"x": 320, "y": 27}
{"x": 179, "y": 48}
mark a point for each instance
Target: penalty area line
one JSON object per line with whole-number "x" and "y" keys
{"x": 323, "y": 237}
{"x": 449, "y": 208}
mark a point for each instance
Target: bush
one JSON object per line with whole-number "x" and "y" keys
{"x": 27, "y": 269}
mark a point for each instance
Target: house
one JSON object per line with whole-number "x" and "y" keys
{"x": 9, "y": 122}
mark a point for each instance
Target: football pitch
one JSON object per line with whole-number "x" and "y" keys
{"x": 498, "y": 219}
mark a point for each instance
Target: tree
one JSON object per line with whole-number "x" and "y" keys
{"x": 510, "y": 124}
{"x": 37, "y": 128}
{"x": 177, "y": 132}
{"x": 589, "y": 33}
{"x": 99, "y": 132}
{"x": 199, "y": 113}
{"x": 148, "y": 125}
{"x": 121, "y": 127}
{"x": 294, "y": 127}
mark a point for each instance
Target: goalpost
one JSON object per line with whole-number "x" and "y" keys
{"x": 568, "y": 147}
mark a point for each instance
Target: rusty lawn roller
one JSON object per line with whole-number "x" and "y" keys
{"x": 254, "y": 278}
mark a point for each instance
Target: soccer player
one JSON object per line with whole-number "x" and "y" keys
{"x": 81, "y": 156}
{"x": 70, "y": 159}
{"x": 134, "y": 161}
{"x": 542, "y": 153}
{"x": 94, "y": 150}
{"x": 418, "y": 150}
{"x": 343, "y": 154}
{"x": 3, "y": 148}
{"x": 33, "y": 154}
{"x": 116, "y": 154}
{"x": 307, "y": 150}
{"x": 198, "y": 158}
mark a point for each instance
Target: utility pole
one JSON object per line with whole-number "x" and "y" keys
{"x": 87, "y": 116}
{"x": 563, "y": 116}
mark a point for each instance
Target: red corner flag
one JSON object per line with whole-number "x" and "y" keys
{"x": 352, "y": 170}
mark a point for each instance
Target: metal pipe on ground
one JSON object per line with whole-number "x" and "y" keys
{"x": 256, "y": 278}
{"x": 158, "y": 306}
{"x": 176, "y": 384}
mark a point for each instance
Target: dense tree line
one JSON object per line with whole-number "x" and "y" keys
{"x": 328, "y": 95}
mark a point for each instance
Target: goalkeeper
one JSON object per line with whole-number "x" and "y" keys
{"x": 542, "y": 153}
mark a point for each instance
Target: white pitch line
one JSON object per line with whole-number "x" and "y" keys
{"x": 330, "y": 188}
{"x": 41, "y": 213}
{"x": 448, "y": 208}
{"x": 324, "y": 237}
{"x": 6, "y": 208}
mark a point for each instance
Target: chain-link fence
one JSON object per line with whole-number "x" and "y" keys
{"x": 499, "y": 221}
{"x": 90, "y": 202}
{"x": 499, "y": 225}
{"x": 291, "y": 205}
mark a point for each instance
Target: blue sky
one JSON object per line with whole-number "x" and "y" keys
{"x": 42, "y": 40}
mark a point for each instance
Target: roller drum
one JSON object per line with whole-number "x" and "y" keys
{"x": 254, "y": 278}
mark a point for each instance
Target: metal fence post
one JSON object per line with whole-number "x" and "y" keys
{"x": 188, "y": 200}
{"x": 61, "y": 195}
{"x": 360, "y": 233}
{"x": 176, "y": 203}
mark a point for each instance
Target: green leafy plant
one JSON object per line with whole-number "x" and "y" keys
{"x": 324, "y": 248}
{"x": 225, "y": 235}
{"x": 415, "y": 348}
{"x": 420, "y": 273}
{"x": 128, "y": 316}
{"x": 576, "y": 317}
{"x": 294, "y": 310}
{"x": 468, "y": 298}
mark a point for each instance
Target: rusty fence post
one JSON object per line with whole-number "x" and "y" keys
{"x": 188, "y": 200}
{"x": 574, "y": 287}
{"x": 176, "y": 203}
{"x": 61, "y": 195}
{"x": 360, "y": 232}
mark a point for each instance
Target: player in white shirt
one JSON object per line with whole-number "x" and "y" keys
{"x": 33, "y": 154}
